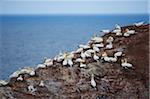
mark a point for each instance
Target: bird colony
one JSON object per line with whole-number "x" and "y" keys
{"x": 90, "y": 50}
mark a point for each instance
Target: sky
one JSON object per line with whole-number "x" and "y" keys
{"x": 73, "y": 7}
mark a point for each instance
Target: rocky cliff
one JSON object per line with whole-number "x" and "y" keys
{"x": 112, "y": 80}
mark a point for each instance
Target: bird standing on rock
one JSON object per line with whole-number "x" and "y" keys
{"x": 67, "y": 59}
{"x": 125, "y": 64}
{"x": 109, "y": 46}
{"x": 93, "y": 83}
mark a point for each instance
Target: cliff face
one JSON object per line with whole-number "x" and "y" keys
{"x": 113, "y": 81}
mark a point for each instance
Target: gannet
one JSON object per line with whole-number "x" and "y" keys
{"x": 79, "y": 60}
{"x": 95, "y": 57}
{"x": 84, "y": 46}
{"x": 93, "y": 83}
{"x": 139, "y": 23}
{"x": 130, "y": 31}
{"x": 48, "y": 62}
{"x": 27, "y": 70}
{"x": 15, "y": 74}
{"x": 31, "y": 88}
{"x": 95, "y": 48}
{"x": 118, "y": 34}
{"x": 118, "y": 54}
{"x": 82, "y": 64}
{"x": 41, "y": 66}
{"x": 113, "y": 59}
{"x": 79, "y": 50}
{"x": 101, "y": 45}
{"x": 67, "y": 59}
{"x": 20, "y": 78}
{"x": 41, "y": 83}
{"x": 105, "y": 57}
{"x": 125, "y": 64}
{"x": 126, "y": 34}
{"x": 109, "y": 46}
{"x": 97, "y": 39}
{"x": 3, "y": 83}
{"x": 110, "y": 39}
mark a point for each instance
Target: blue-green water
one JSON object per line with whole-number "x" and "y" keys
{"x": 26, "y": 40}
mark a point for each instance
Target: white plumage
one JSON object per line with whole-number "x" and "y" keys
{"x": 110, "y": 39}
{"x": 118, "y": 34}
{"x": 96, "y": 49}
{"x": 126, "y": 34}
{"x": 130, "y": 31}
{"x": 70, "y": 63}
{"x": 118, "y": 54}
{"x": 20, "y": 78}
{"x": 41, "y": 83}
{"x": 99, "y": 45}
{"x": 84, "y": 46}
{"x": 31, "y": 88}
{"x": 41, "y": 66}
{"x": 65, "y": 62}
{"x": 3, "y": 82}
{"x": 116, "y": 31}
{"x": 82, "y": 64}
{"x": 95, "y": 57}
{"x": 109, "y": 46}
{"x": 79, "y": 50}
{"x": 93, "y": 83}
{"x": 139, "y": 23}
{"x": 125, "y": 64}
{"x": 97, "y": 39}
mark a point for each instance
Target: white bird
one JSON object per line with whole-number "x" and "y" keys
{"x": 49, "y": 62}
{"x": 101, "y": 45}
{"x": 95, "y": 57}
{"x": 116, "y": 31}
{"x": 85, "y": 54}
{"x": 84, "y": 46}
{"x": 113, "y": 59}
{"x": 31, "y": 88}
{"x": 97, "y": 39}
{"x": 93, "y": 83}
{"x": 79, "y": 50}
{"x": 90, "y": 51}
{"x": 125, "y": 64}
{"x": 20, "y": 78}
{"x": 110, "y": 39}
{"x": 82, "y": 64}
{"x": 27, "y": 70}
{"x": 105, "y": 31}
{"x": 15, "y": 74}
{"x": 79, "y": 60}
{"x": 118, "y": 34}
{"x": 41, "y": 66}
{"x": 130, "y": 31}
{"x": 118, "y": 54}
{"x": 41, "y": 83}
{"x": 105, "y": 57}
{"x": 3, "y": 83}
{"x": 96, "y": 49}
{"x": 68, "y": 59}
{"x": 139, "y": 23}
{"x": 109, "y": 46}
{"x": 126, "y": 34}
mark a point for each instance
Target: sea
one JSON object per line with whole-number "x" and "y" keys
{"x": 25, "y": 40}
